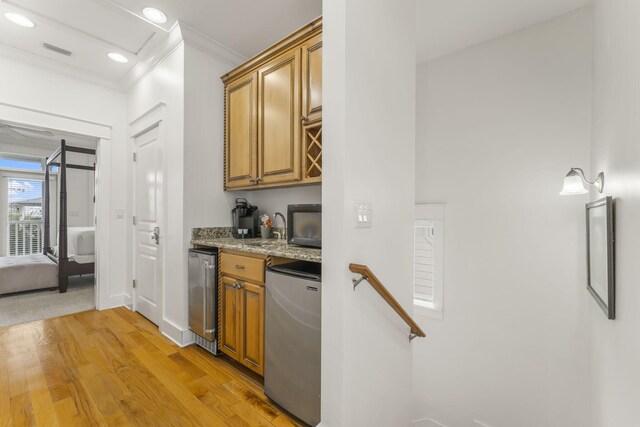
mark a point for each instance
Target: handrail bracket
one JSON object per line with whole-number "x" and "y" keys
{"x": 366, "y": 274}
{"x": 356, "y": 282}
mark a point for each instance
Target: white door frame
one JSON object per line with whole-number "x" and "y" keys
{"x": 43, "y": 120}
{"x": 151, "y": 118}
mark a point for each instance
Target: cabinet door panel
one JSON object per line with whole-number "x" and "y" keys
{"x": 312, "y": 79}
{"x": 230, "y": 318}
{"x": 253, "y": 327}
{"x": 241, "y": 138}
{"x": 279, "y": 119}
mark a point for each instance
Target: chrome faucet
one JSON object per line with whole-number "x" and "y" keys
{"x": 284, "y": 221}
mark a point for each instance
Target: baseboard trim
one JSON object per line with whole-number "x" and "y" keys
{"x": 113, "y": 301}
{"x": 181, "y": 337}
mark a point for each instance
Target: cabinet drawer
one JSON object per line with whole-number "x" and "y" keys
{"x": 243, "y": 267}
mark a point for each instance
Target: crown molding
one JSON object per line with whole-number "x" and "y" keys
{"x": 206, "y": 44}
{"x": 180, "y": 34}
{"x": 154, "y": 58}
{"x": 49, "y": 64}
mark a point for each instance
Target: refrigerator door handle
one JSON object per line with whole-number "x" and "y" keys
{"x": 204, "y": 300}
{"x": 207, "y": 268}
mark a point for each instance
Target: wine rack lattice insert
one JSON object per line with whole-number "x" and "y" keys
{"x": 313, "y": 152}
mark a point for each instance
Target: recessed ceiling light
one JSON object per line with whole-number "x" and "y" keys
{"x": 154, "y": 15}
{"x": 23, "y": 21}
{"x": 118, "y": 57}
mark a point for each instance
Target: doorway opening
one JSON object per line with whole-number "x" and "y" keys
{"x": 30, "y": 238}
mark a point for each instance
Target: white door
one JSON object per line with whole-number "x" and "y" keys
{"x": 148, "y": 213}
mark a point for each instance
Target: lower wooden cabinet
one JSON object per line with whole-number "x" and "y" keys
{"x": 229, "y": 336}
{"x": 252, "y": 327}
{"x": 241, "y": 329}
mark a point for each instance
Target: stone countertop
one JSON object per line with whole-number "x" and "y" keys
{"x": 272, "y": 247}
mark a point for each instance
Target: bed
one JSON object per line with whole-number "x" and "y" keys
{"x": 27, "y": 273}
{"x": 81, "y": 244}
{"x": 74, "y": 254}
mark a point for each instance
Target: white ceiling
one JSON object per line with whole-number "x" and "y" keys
{"x": 92, "y": 28}
{"x": 245, "y": 26}
{"x": 445, "y": 26}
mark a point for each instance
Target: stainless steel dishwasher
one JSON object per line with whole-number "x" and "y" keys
{"x": 203, "y": 297}
{"x": 292, "y": 338}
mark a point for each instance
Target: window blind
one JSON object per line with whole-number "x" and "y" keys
{"x": 424, "y": 262}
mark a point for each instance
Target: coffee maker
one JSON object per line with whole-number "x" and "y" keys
{"x": 245, "y": 219}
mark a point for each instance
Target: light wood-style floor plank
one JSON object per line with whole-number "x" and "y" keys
{"x": 114, "y": 368}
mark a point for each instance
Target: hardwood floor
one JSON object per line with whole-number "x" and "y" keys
{"x": 114, "y": 367}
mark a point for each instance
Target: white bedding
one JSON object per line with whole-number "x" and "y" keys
{"x": 81, "y": 240}
{"x": 81, "y": 243}
{"x": 83, "y": 259}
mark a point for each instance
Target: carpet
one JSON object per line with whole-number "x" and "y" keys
{"x": 29, "y": 306}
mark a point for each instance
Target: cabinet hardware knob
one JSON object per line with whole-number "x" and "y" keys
{"x": 240, "y": 266}
{"x": 258, "y": 180}
{"x": 304, "y": 119}
{"x": 251, "y": 180}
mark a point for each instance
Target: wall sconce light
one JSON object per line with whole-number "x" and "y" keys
{"x": 575, "y": 180}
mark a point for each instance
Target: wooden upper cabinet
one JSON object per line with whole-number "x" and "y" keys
{"x": 312, "y": 80}
{"x": 273, "y": 115}
{"x": 241, "y": 132}
{"x": 278, "y": 119}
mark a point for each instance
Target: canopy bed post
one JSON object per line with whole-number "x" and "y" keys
{"x": 60, "y": 255}
{"x": 47, "y": 229}
{"x": 63, "y": 278}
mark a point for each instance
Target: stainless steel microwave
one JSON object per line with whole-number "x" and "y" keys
{"x": 304, "y": 225}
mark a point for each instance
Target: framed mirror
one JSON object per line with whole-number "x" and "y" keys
{"x": 600, "y": 254}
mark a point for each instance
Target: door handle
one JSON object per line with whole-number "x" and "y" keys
{"x": 155, "y": 235}
{"x": 208, "y": 267}
{"x": 206, "y": 296}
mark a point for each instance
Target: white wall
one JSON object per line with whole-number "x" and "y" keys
{"x": 206, "y": 203}
{"x": 59, "y": 96}
{"x": 165, "y": 83}
{"x": 277, "y": 199}
{"x": 369, "y": 146}
{"x": 498, "y": 127}
{"x": 187, "y": 81}
{"x": 615, "y": 347}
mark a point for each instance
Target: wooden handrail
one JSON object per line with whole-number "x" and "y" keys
{"x": 375, "y": 283}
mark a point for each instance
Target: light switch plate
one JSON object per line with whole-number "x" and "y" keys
{"x": 363, "y": 215}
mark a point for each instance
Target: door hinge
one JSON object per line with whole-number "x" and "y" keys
{"x": 134, "y": 283}
{"x": 135, "y": 220}
{"x": 135, "y": 157}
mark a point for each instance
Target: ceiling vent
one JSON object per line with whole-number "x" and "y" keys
{"x": 56, "y": 49}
